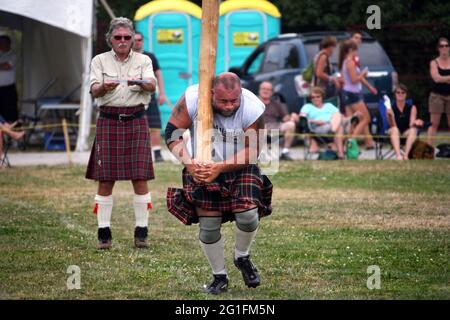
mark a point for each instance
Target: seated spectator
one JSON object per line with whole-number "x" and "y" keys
{"x": 7, "y": 128}
{"x": 402, "y": 118}
{"x": 276, "y": 116}
{"x": 324, "y": 118}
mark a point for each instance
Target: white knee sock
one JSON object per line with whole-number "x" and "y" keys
{"x": 243, "y": 242}
{"x": 214, "y": 252}
{"x": 104, "y": 207}
{"x": 142, "y": 203}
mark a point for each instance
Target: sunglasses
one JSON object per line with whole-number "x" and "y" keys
{"x": 443, "y": 46}
{"x": 127, "y": 38}
{"x": 138, "y": 40}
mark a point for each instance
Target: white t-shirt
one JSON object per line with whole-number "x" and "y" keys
{"x": 228, "y": 131}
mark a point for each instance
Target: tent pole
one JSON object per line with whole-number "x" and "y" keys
{"x": 108, "y": 9}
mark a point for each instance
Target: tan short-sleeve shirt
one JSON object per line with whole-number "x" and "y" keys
{"x": 106, "y": 66}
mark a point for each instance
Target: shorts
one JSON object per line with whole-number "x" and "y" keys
{"x": 438, "y": 103}
{"x": 350, "y": 98}
{"x": 323, "y": 129}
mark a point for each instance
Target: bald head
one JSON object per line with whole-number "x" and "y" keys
{"x": 226, "y": 93}
{"x": 228, "y": 80}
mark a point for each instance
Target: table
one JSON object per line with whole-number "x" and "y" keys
{"x": 53, "y": 140}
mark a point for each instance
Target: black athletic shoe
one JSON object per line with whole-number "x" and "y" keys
{"x": 249, "y": 271}
{"x": 104, "y": 238}
{"x": 218, "y": 285}
{"x": 141, "y": 237}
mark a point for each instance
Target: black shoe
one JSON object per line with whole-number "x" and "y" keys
{"x": 141, "y": 237}
{"x": 104, "y": 238}
{"x": 286, "y": 156}
{"x": 249, "y": 272}
{"x": 218, "y": 285}
{"x": 158, "y": 156}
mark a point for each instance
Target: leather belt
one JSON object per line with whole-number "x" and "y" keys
{"x": 122, "y": 116}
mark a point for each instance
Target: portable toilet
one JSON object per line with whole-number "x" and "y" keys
{"x": 243, "y": 25}
{"x": 171, "y": 30}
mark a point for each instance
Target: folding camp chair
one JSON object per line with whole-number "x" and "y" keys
{"x": 6, "y": 146}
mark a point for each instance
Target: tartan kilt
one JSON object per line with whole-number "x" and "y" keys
{"x": 121, "y": 149}
{"x": 230, "y": 191}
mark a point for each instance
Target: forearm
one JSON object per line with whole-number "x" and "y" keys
{"x": 323, "y": 76}
{"x": 179, "y": 150}
{"x": 366, "y": 83}
{"x": 441, "y": 79}
{"x": 98, "y": 90}
{"x": 151, "y": 86}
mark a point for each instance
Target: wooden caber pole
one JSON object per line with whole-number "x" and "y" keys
{"x": 207, "y": 68}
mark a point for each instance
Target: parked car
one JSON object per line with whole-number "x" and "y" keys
{"x": 282, "y": 59}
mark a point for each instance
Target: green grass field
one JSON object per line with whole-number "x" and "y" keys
{"x": 331, "y": 221}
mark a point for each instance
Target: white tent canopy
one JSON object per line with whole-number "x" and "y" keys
{"x": 56, "y": 44}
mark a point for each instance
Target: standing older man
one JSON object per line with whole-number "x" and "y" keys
{"x": 121, "y": 81}
{"x": 229, "y": 188}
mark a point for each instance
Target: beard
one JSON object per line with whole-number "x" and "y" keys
{"x": 223, "y": 112}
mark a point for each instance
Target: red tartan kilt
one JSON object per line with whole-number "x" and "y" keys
{"x": 229, "y": 192}
{"x": 121, "y": 150}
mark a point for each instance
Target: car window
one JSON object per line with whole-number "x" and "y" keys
{"x": 255, "y": 65}
{"x": 290, "y": 60}
{"x": 372, "y": 54}
{"x": 271, "y": 59}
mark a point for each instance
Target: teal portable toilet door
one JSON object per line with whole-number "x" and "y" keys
{"x": 170, "y": 35}
{"x": 244, "y": 31}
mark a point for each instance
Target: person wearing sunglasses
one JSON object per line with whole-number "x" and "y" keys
{"x": 122, "y": 82}
{"x": 402, "y": 118}
{"x": 439, "y": 99}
